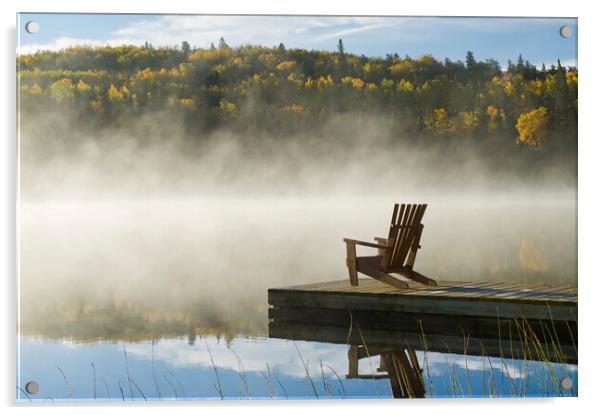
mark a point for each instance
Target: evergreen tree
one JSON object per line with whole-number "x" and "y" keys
{"x": 185, "y": 48}
{"x": 520, "y": 65}
{"x": 560, "y": 97}
{"x": 471, "y": 63}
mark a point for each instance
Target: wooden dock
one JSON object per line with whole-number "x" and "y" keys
{"x": 450, "y": 298}
{"x": 472, "y": 318}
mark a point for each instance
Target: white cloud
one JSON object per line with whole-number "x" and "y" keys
{"x": 266, "y": 30}
{"x": 58, "y": 43}
{"x": 253, "y": 353}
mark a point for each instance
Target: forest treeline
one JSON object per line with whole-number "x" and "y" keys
{"x": 281, "y": 90}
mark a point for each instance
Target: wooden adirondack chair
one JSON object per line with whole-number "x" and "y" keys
{"x": 397, "y": 253}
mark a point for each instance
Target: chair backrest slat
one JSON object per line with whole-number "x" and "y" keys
{"x": 411, "y": 234}
{"x": 405, "y": 233}
{"x": 395, "y": 230}
{"x": 398, "y": 230}
{"x": 405, "y": 223}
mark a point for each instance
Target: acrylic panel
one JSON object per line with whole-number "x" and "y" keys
{"x": 296, "y": 207}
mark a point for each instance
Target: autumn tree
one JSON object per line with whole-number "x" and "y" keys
{"x": 532, "y": 127}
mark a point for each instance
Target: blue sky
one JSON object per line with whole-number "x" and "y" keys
{"x": 538, "y": 39}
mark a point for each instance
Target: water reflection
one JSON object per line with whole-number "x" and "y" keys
{"x": 400, "y": 366}
{"x": 260, "y": 368}
{"x": 396, "y": 338}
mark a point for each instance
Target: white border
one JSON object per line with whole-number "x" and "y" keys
{"x": 590, "y": 207}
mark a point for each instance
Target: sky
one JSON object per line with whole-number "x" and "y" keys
{"x": 537, "y": 39}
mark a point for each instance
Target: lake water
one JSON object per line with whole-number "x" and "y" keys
{"x": 173, "y": 295}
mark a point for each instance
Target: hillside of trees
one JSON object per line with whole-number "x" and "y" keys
{"x": 280, "y": 91}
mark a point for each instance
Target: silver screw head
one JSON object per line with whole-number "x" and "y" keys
{"x": 32, "y": 387}
{"x": 566, "y": 31}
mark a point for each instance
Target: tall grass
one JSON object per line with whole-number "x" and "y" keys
{"x": 217, "y": 386}
{"x": 93, "y": 380}
{"x": 268, "y": 379}
{"x": 106, "y": 387}
{"x": 243, "y": 376}
{"x": 127, "y": 368}
{"x": 69, "y": 391}
{"x": 175, "y": 391}
{"x": 307, "y": 373}
{"x": 157, "y": 389}
{"x": 369, "y": 360}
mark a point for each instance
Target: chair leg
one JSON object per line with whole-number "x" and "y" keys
{"x": 353, "y": 277}
{"x": 392, "y": 281}
{"x": 415, "y": 276}
{"x": 385, "y": 278}
{"x": 352, "y": 264}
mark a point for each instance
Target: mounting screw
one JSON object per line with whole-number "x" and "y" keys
{"x": 566, "y": 31}
{"x": 32, "y": 27}
{"x": 566, "y": 383}
{"x": 32, "y": 387}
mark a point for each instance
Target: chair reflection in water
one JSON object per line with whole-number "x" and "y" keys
{"x": 400, "y": 365}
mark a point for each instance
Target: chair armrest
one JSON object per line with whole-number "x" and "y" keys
{"x": 368, "y": 244}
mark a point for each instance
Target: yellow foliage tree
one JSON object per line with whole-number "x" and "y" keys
{"x": 83, "y": 87}
{"x": 32, "y": 90}
{"x": 403, "y": 67}
{"x": 229, "y": 109}
{"x": 324, "y": 82}
{"x": 356, "y": 83}
{"x": 62, "y": 90}
{"x": 371, "y": 86}
{"x": 187, "y": 103}
{"x": 464, "y": 123}
{"x": 287, "y": 66}
{"x": 405, "y": 86}
{"x": 532, "y": 126}
{"x": 219, "y": 68}
{"x": 438, "y": 121}
{"x": 387, "y": 84}
{"x": 114, "y": 95}
{"x": 496, "y": 118}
